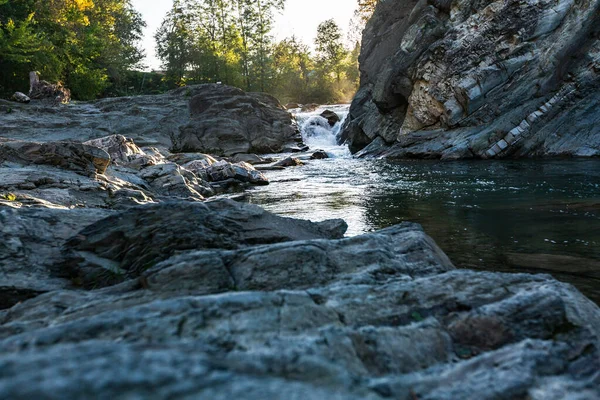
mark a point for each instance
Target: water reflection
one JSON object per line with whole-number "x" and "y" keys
{"x": 532, "y": 216}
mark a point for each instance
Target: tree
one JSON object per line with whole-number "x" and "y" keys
{"x": 83, "y": 43}
{"x": 330, "y": 47}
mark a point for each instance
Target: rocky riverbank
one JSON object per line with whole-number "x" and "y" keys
{"x": 124, "y": 275}
{"x": 473, "y": 80}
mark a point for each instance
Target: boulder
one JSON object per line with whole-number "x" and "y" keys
{"x": 173, "y": 181}
{"x": 319, "y": 155}
{"x": 288, "y": 162}
{"x": 243, "y": 172}
{"x": 483, "y": 80}
{"x": 125, "y": 245}
{"x": 77, "y": 157}
{"x": 21, "y": 98}
{"x": 382, "y": 315}
{"x": 291, "y": 106}
{"x": 331, "y": 117}
{"x": 226, "y": 121}
{"x": 122, "y": 151}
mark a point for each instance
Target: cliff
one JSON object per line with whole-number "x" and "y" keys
{"x": 479, "y": 79}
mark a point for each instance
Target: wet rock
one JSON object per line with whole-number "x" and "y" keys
{"x": 524, "y": 75}
{"x": 288, "y": 162}
{"x": 21, "y": 98}
{"x": 291, "y": 106}
{"x": 331, "y": 117}
{"x": 319, "y": 155}
{"x": 127, "y": 244}
{"x": 226, "y": 121}
{"x": 295, "y": 149}
{"x": 76, "y": 157}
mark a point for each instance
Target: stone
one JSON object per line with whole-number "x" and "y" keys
{"x": 21, "y": 98}
{"x": 288, "y": 162}
{"x": 291, "y": 106}
{"x": 173, "y": 181}
{"x": 331, "y": 117}
{"x": 243, "y": 172}
{"x": 127, "y": 244}
{"x": 226, "y": 121}
{"x": 77, "y": 157}
{"x": 121, "y": 149}
{"x": 382, "y": 315}
{"x": 309, "y": 107}
{"x": 411, "y": 81}
{"x": 319, "y": 155}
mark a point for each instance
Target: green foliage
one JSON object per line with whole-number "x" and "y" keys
{"x": 86, "y": 44}
{"x": 230, "y": 41}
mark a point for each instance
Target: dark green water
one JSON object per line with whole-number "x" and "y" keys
{"x": 515, "y": 216}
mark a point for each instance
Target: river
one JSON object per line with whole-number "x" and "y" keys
{"x": 511, "y": 216}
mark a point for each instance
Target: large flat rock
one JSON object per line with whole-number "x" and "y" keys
{"x": 383, "y": 315}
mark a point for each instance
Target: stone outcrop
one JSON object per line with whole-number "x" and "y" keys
{"x": 77, "y": 157}
{"x": 224, "y": 314}
{"x": 479, "y": 80}
{"x": 240, "y": 122}
{"x": 226, "y": 121}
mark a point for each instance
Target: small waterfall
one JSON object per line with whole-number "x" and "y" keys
{"x": 318, "y": 134}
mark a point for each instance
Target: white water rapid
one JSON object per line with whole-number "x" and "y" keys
{"x": 318, "y": 134}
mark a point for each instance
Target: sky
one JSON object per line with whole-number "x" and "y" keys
{"x": 300, "y": 18}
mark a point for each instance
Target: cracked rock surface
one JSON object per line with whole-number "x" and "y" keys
{"x": 479, "y": 79}
{"x": 237, "y": 302}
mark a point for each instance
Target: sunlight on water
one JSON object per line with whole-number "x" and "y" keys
{"x": 532, "y": 216}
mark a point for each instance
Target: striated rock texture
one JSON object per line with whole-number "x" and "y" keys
{"x": 479, "y": 79}
{"x": 383, "y": 315}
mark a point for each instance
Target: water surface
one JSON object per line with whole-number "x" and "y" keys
{"x": 515, "y": 216}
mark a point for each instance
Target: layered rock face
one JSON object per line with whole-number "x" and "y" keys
{"x": 487, "y": 79}
{"x": 250, "y": 305}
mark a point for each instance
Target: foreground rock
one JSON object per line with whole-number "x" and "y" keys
{"x": 384, "y": 315}
{"x": 479, "y": 80}
{"x": 124, "y": 245}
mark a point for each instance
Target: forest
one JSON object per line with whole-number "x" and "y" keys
{"x": 92, "y": 47}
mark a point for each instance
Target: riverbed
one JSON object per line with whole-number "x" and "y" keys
{"x": 511, "y": 216}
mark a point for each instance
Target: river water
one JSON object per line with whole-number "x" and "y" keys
{"x": 511, "y": 216}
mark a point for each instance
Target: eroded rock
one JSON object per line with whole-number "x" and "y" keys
{"x": 479, "y": 80}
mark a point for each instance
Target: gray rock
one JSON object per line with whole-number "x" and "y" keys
{"x": 172, "y": 181}
{"x": 30, "y": 241}
{"x": 331, "y": 117}
{"x": 21, "y": 98}
{"x": 226, "y": 121}
{"x": 121, "y": 150}
{"x": 129, "y": 243}
{"x": 383, "y": 315}
{"x": 479, "y": 80}
{"x": 288, "y": 162}
{"x": 319, "y": 155}
{"x": 76, "y": 157}
{"x": 155, "y": 121}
